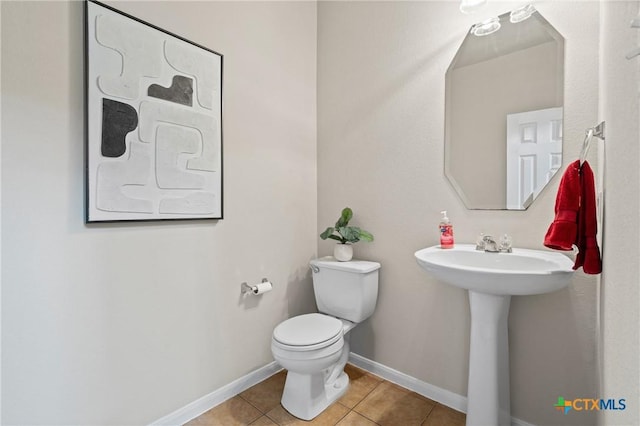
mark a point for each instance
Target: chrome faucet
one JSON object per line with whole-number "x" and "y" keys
{"x": 488, "y": 244}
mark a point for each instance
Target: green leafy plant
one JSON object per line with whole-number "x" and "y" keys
{"x": 346, "y": 234}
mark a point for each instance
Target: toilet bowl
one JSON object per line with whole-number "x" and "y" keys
{"x": 314, "y": 348}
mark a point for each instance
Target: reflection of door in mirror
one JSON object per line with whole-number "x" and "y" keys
{"x": 534, "y": 154}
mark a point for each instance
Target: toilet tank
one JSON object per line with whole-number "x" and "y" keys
{"x": 347, "y": 290}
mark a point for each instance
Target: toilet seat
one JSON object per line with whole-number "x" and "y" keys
{"x": 308, "y": 332}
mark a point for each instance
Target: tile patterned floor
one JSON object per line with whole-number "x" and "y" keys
{"x": 370, "y": 401}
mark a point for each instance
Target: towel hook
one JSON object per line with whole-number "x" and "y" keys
{"x": 585, "y": 146}
{"x": 592, "y": 132}
{"x": 598, "y": 131}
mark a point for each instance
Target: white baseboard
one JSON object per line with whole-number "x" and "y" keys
{"x": 518, "y": 422}
{"x": 443, "y": 396}
{"x": 207, "y": 402}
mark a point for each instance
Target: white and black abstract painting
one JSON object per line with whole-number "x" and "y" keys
{"x": 154, "y": 122}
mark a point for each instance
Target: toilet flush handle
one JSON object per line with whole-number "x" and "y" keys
{"x": 314, "y": 268}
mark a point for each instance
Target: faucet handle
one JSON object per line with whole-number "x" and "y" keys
{"x": 480, "y": 243}
{"x": 505, "y": 244}
{"x": 488, "y": 239}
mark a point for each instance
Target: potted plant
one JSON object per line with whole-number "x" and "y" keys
{"x": 345, "y": 235}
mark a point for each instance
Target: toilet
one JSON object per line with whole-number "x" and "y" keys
{"x": 314, "y": 348}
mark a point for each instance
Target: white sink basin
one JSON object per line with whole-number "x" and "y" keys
{"x": 523, "y": 272}
{"x": 492, "y": 278}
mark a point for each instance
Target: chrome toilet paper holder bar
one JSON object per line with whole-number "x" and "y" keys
{"x": 247, "y": 289}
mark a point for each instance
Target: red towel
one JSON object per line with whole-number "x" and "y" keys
{"x": 563, "y": 232}
{"x": 589, "y": 252}
{"x": 575, "y": 218}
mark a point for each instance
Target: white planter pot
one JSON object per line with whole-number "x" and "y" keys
{"x": 343, "y": 252}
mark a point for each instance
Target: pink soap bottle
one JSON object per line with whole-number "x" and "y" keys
{"x": 446, "y": 231}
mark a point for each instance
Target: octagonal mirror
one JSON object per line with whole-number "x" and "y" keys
{"x": 504, "y": 111}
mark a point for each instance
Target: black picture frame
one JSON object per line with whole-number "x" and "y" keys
{"x": 153, "y": 122}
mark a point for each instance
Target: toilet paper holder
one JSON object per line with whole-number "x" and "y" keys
{"x": 247, "y": 289}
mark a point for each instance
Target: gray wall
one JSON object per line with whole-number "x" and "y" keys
{"x": 125, "y": 323}
{"x": 381, "y": 68}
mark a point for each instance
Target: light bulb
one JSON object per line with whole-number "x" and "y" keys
{"x": 486, "y": 27}
{"x": 470, "y": 6}
{"x": 521, "y": 13}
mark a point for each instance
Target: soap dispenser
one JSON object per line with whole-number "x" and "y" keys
{"x": 446, "y": 231}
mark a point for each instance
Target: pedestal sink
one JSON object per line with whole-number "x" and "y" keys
{"x": 492, "y": 278}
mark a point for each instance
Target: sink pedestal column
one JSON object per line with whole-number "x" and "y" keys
{"x": 488, "y": 400}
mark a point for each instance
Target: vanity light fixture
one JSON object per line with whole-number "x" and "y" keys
{"x": 486, "y": 27}
{"x": 470, "y": 6}
{"x": 521, "y": 13}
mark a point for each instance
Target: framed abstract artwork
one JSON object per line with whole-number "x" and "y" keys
{"x": 153, "y": 122}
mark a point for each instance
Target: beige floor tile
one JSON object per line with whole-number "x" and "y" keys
{"x": 445, "y": 416}
{"x": 328, "y": 417}
{"x": 282, "y": 417}
{"x": 266, "y": 394}
{"x": 234, "y": 412}
{"x": 391, "y": 405}
{"x": 361, "y": 383}
{"x": 355, "y": 372}
{"x": 264, "y": 421}
{"x": 355, "y": 419}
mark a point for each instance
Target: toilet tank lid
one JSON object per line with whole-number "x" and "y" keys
{"x": 355, "y": 266}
